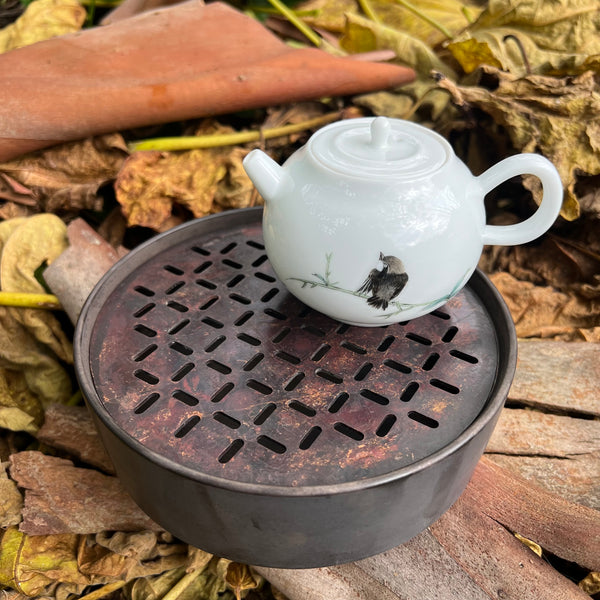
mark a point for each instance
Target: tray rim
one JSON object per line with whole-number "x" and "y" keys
{"x": 479, "y": 283}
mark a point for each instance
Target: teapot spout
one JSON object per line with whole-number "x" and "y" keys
{"x": 268, "y": 177}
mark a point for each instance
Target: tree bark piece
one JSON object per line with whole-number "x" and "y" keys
{"x": 211, "y": 60}
{"x": 73, "y": 275}
{"x": 62, "y": 498}
{"x": 560, "y": 376}
{"x": 71, "y": 429}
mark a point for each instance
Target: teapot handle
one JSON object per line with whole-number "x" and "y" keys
{"x": 548, "y": 210}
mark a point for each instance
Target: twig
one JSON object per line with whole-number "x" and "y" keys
{"x": 521, "y": 48}
{"x": 168, "y": 144}
{"x": 368, "y": 9}
{"x": 181, "y": 585}
{"x": 105, "y": 590}
{"x": 296, "y": 22}
{"x": 413, "y": 9}
{"x": 27, "y": 300}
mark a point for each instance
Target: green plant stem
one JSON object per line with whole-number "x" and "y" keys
{"x": 27, "y": 300}
{"x": 101, "y": 3}
{"x": 181, "y": 585}
{"x": 296, "y": 22}
{"x": 168, "y": 144}
{"x": 413, "y": 9}
{"x": 272, "y": 11}
{"x": 105, "y": 590}
{"x": 369, "y": 11}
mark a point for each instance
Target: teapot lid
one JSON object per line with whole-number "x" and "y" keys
{"x": 379, "y": 147}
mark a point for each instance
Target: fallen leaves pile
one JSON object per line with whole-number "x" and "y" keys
{"x": 495, "y": 78}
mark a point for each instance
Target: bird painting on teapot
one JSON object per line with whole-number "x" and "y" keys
{"x": 384, "y": 284}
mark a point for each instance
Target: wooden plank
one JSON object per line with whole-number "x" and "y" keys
{"x": 342, "y": 582}
{"x": 532, "y": 433}
{"x": 559, "y": 376}
{"x": 576, "y": 479}
{"x": 419, "y": 569}
{"x": 570, "y": 531}
{"x": 494, "y": 558}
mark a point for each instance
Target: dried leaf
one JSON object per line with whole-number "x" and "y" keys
{"x": 36, "y": 241}
{"x": 365, "y": 35}
{"x": 540, "y": 311}
{"x": 20, "y": 409}
{"x": 530, "y": 544}
{"x": 67, "y": 177}
{"x": 20, "y": 351}
{"x": 471, "y": 54}
{"x": 33, "y": 564}
{"x": 590, "y": 584}
{"x": 568, "y": 260}
{"x": 549, "y": 37}
{"x": 451, "y": 15}
{"x": 126, "y": 556}
{"x": 205, "y": 585}
{"x": 402, "y": 103}
{"x": 557, "y": 117}
{"x": 203, "y": 181}
{"x": 12, "y": 191}
{"x": 240, "y": 579}
{"x": 43, "y": 19}
{"x": 60, "y": 565}
{"x": 151, "y": 182}
{"x": 587, "y": 190}
{"x": 431, "y": 21}
{"x": 12, "y": 501}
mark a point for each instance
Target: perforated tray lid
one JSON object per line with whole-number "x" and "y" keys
{"x": 200, "y": 355}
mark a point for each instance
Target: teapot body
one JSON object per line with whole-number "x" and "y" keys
{"x": 375, "y": 252}
{"x": 377, "y": 221}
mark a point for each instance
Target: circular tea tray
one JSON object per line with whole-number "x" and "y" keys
{"x": 194, "y": 357}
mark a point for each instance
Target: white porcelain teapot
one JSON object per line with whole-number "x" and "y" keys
{"x": 376, "y": 221}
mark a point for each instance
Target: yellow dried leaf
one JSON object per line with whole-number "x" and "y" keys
{"x": 21, "y": 352}
{"x": 203, "y": 181}
{"x": 425, "y": 19}
{"x": 20, "y": 409}
{"x": 531, "y": 545}
{"x": 30, "y": 564}
{"x": 557, "y": 117}
{"x": 151, "y": 182}
{"x": 432, "y": 21}
{"x": 42, "y": 20}
{"x": 12, "y": 501}
{"x": 36, "y": 241}
{"x": 590, "y": 584}
{"x": 546, "y": 37}
{"x": 328, "y": 14}
{"x": 471, "y": 54}
{"x": 364, "y": 35}
{"x": 240, "y": 579}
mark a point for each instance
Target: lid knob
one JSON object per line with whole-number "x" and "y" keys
{"x": 380, "y": 132}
